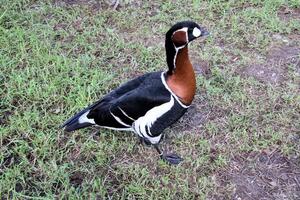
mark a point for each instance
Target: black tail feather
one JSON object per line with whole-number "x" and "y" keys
{"x": 73, "y": 123}
{"x": 75, "y": 126}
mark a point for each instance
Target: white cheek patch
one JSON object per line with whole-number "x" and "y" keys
{"x": 196, "y": 32}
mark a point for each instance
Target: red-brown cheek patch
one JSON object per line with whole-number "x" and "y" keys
{"x": 179, "y": 38}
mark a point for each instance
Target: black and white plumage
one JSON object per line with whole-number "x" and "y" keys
{"x": 145, "y": 105}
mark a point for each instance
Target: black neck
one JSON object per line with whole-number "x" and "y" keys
{"x": 170, "y": 48}
{"x": 170, "y": 52}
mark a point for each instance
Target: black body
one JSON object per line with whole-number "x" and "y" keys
{"x": 135, "y": 98}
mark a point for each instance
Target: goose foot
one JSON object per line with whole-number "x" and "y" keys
{"x": 171, "y": 158}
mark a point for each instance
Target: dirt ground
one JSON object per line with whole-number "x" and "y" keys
{"x": 274, "y": 68}
{"x": 261, "y": 175}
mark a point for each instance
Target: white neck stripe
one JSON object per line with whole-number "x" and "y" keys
{"x": 175, "y": 56}
{"x": 185, "y": 29}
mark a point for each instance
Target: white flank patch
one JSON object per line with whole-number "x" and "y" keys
{"x": 145, "y": 122}
{"x": 169, "y": 89}
{"x": 83, "y": 119}
{"x": 119, "y": 120}
{"x": 196, "y": 32}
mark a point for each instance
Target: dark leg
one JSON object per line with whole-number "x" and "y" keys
{"x": 158, "y": 150}
{"x": 138, "y": 142}
{"x": 172, "y": 158}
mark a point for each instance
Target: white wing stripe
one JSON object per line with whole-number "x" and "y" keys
{"x": 119, "y": 120}
{"x": 126, "y": 114}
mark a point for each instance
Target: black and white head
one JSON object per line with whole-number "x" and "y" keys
{"x": 184, "y": 32}
{"x": 179, "y": 36}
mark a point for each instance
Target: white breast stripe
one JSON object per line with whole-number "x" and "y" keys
{"x": 145, "y": 122}
{"x": 173, "y": 94}
{"x": 156, "y": 112}
{"x": 83, "y": 118}
{"x": 126, "y": 114}
{"x": 119, "y": 120}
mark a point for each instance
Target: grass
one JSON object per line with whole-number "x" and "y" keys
{"x": 57, "y": 57}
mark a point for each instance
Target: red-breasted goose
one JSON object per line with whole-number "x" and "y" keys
{"x": 150, "y": 103}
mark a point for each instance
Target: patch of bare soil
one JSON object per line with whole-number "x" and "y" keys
{"x": 275, "y": 68}
{"x": 202, "y": 67}
{"x": 4, "y": 118}
{"x": 98, "y": 4}
{"x": 93, "y": 4}
{"x": 265, "y": 175}
{"x": 197, "y": 114}
{"x": 77, "y": 178}
{"x": 192, "y": 119}
{"x": 286, "y": 13}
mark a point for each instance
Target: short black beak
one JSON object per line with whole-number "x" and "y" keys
{"x": 204, "y": 32}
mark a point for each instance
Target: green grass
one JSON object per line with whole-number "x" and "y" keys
{"x": 57, "y": 58}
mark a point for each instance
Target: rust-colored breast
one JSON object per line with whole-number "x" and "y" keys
{"x": 183, "y": 82}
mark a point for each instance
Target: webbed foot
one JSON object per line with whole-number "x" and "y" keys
{"x": 172, "y": 158}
